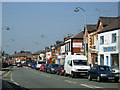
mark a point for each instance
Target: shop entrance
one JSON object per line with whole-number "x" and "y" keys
{"x": 115, "y": 61}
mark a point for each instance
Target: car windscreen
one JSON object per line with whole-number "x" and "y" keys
{"x": 80, "y": 62}
{"x": 55, "y": 65}
{"x": 105, "y": 68}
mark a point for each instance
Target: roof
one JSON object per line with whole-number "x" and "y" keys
{"x": 114, "y": 25}
{"x": 91, "y": 27}
{"x": 40, "y": 51}
{"x": 21, "y": 54}
{"x": 106, "y": 20}
{"x": 78, "y": 35}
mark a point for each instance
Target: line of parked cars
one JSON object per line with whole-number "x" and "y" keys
{"x": 77, "y": 65}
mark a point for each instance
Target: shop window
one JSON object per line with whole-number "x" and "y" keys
{"x": 115, "y": 61}
{"x": 101, "y": 39}
{"x": 113, "y": 37}
{"x": 101, "y": 59}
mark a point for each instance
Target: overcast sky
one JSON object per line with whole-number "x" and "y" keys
{"x": 34, "y": 25}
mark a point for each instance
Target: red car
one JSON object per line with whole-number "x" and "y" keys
{"x": 41, "y": 67}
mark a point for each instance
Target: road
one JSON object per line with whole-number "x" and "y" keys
{"x": 25, "y": 77}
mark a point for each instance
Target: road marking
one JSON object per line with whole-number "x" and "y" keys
{"x": 16, "y": 83}
{"x": 6, "y": 73}
{"x": 70, "y": 81}
{"x": 90, "y": 86}
{"x": 8, "y": 85}
{"x": 86, "y": 85}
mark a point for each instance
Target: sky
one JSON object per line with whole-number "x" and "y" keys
{"x": 34, "y": 25}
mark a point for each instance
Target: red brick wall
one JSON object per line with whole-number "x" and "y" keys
{"x": 77, "y": 49}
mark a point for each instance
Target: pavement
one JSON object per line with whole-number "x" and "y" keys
{"x": 4, "y": 70}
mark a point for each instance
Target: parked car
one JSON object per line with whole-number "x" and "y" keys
{"x": 33, "y": 65}
{"x": 19, "y": 65}
{"x": 45, "y": 68}
{"x": 102, "y": 72}
{"x": 60, "y": 70}
{"x": 29, "y": 64}
{"x": 41, "y": 67}
{"x": 14, "y": 64}
{"x": 52, "y": 68}
{"x": 4, "y": 64}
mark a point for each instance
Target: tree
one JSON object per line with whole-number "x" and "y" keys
{"x": 3, "y": 53}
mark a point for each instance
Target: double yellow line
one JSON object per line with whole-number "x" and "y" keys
{"x": 6, "y": 83}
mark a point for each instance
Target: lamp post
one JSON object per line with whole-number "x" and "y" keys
{"x": 84, "y": 10}
{"x": 2, "y": 28}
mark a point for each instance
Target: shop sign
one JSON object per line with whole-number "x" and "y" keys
{"x": 77, "y": 45}
{"x": 112, "y": 48}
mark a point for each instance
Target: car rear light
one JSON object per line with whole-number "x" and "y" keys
{"x": 62, "y": 70}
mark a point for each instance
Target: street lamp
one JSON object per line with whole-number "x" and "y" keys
{"x": 6, "y": 27}
{"x": 84, "y": 10}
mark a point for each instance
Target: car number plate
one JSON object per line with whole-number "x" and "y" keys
{"x": 110, "y": 77}
{"x": 82, "y": 73}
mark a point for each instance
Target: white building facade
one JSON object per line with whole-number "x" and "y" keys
{"x": 109, "y": 49}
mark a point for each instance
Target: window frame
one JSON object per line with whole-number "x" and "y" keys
{"x": 101, "y": 40}
{"x": 114, "y": 34}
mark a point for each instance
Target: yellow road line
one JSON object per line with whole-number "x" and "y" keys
{"x": 6, "y": 73}
{"x": 8, "y": 85}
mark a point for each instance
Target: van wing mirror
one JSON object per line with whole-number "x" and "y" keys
{"x": 70, "y": 64}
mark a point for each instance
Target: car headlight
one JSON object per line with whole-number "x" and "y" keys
{"x": 74, "y": 69}
{"x": 52, "y": 69}
{"x": 103, "y": 74}
{"x": 116, "y": 75}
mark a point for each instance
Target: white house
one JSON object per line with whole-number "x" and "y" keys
{"x": 109, "y": 45}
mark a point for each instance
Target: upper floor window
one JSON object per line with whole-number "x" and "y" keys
{"x": 113, "y": 37}
{"x": 101, "y": 39}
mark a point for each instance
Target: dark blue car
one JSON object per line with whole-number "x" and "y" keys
{"x": 33, "y": 65}
{"x": 102, "y": 72}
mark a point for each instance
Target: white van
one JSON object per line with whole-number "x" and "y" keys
{"x": 76, "y": 65}
{"x": 39, "y": 63}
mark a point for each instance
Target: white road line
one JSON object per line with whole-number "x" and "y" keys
{"x": 86, "y": 85}
{"x": 70, "y": 81}
{"x": 97, "y": 87}
{"x": 90, "y": 86}
{"x": 16, "y": 83}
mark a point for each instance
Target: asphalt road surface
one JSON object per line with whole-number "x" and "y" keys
{"x": 27, "y": 78}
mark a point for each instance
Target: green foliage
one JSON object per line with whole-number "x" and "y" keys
{"x": 3, "y": 53}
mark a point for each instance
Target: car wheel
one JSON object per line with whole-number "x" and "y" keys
{"x": 50, "y": 71}
{"x": 57, "y": 73}
{"x": 116, "y": 80}
{"x": 61, "y": 74}
{"x": 98, "y": 79}
{"x": 72, "y": 75}
{"x": 89, "y": 78}
{"x": 65, "y": 74}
